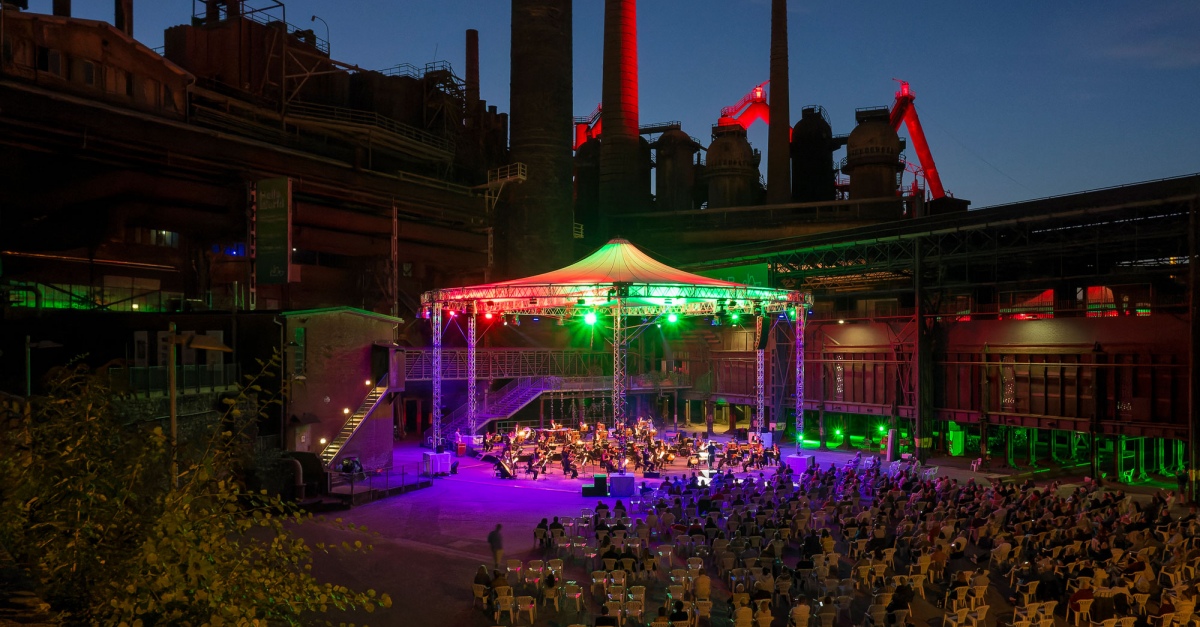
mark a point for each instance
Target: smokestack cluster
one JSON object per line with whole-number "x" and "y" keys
{"x": 779, "y": 188}
{"x": 538, "y": 229}
{"x": 620, "y": 190}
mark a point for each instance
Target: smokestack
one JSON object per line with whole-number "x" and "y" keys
{"x": 472, "y": 71}
{"x": 123, "y": 19}
{"x": 62, "y": 8}
{"x": 779, "y": 184}
{"x": 619, "y": 140}
{"x": 538, "y": 228}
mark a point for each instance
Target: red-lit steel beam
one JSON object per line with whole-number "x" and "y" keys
{"x": 903, "y": 110}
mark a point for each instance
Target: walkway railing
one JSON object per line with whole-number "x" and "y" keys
{"x": 372, "y": 484}
{"x": 508, "y": 363}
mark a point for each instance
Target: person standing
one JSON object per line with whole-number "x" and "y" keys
{"x": 497, "y": 545}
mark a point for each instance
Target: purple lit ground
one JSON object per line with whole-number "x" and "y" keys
{"x": 429, "y": 543}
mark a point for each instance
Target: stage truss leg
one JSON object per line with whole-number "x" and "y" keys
{"x": 760, "y": 364}
{"x": 619, "y": 356}
{"x": 801, "y": 313}
{"x": 472, "y": 408}
{"x": 437, "y": 375}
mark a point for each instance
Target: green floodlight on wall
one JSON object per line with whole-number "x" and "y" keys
{"x": 590, "y": 318}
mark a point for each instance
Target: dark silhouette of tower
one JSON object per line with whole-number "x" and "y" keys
{"x": 779, "y": 188}
{"x": 538, "y": 224}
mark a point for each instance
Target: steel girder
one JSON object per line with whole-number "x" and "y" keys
{"x": 1142, "y": 235}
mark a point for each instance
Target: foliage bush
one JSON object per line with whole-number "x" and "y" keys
{"x": 87, "y": 505}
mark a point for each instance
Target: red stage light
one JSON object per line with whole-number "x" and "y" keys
{"x": 488, "y": 315}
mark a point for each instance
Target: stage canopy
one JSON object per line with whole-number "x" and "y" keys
{"x": 621, "y": 283}
{"x": 616, "y": 270}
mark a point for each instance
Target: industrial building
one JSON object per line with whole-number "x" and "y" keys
{"x": 242, "y": 171}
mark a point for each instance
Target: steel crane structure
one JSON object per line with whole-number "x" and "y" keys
{"x": 750, "y": 109}
{"x": 904, "y": 111}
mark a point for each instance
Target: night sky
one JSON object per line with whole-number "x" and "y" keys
{"x": 1019, "y": 99}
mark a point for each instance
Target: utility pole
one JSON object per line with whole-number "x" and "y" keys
{"x": 172, "y": 400}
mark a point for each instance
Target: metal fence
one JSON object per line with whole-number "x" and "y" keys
{"x": 150, "y": 380}
{"x": 369, "y": 485}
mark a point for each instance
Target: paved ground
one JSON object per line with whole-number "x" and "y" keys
{"x": 429, "y": 543}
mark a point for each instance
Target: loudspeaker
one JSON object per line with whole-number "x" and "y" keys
{"x": 600, "y": 481}
{"x": 765, "y": 338}
{"x": 651, "y": 474}
{"x": 591, "y": 490}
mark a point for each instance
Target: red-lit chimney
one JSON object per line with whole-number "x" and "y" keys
{"x": 62, "y": 8}
{"x": 620, "y": 190}
{"x": 472, "y": 71}
{"x": 123, "y": 18}
{"x": 779, "y": 182}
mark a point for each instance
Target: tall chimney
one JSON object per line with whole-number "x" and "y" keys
{"x": 123, "y": 19}
{"x": 619, "y": 139}
{"x": 472, "y": 71}
{"x": 779, "y": 183}
{"x": 537, "y": 230}
{"x": 62, "y": 8}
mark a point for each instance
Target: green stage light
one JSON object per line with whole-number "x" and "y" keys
{"x": 671, "y": 317}
{"x": 838, "y": 432}
{"x": 882, "y": 428}
{"x": 590, "y": 317}
{"x": 734, "y": 317}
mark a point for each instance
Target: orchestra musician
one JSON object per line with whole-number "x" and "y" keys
{"x": 535, "y": 465}
{"x": 568, "y": 466}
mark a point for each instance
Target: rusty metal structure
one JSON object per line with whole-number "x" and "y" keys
{"x": 1061, "y": 328}
{"x": 154, "y": 157}
{"x": 1051, "y": 329}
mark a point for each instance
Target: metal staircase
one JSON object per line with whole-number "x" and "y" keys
{"x": 377, "y": 393}
{"x": 504, "y": 403}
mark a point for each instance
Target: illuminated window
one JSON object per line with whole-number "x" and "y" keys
{"x": 152, "y": 237}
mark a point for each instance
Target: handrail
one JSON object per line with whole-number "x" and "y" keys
{"x": 339, "y": 442}
{"x": 369, "y": 118}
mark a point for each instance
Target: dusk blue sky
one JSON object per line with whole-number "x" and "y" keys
{"x": 1019, "y": 99}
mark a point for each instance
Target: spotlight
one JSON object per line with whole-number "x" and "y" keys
{"x": 733, "y": 317}
{"x": 672, "y": 317}
{"x": 590, "y": 317}
{"x": 368, "y": 382}
{"x": 581, "y": 302}
{"x": 537, "y": 319}
{"x": 487, "y": 316}
{"x": 346, "y": 410}
{"x": 323, "y": 441}
{"x": 841, "y": 321}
